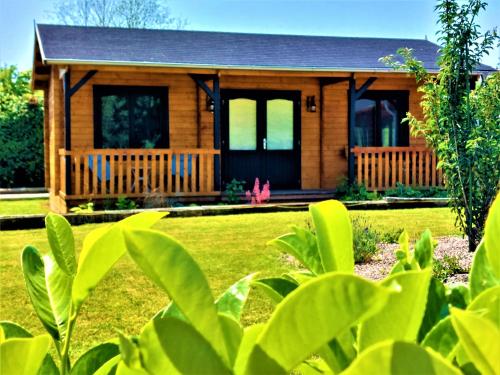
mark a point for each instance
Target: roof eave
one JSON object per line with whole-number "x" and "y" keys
{"x": 221, "y": 67}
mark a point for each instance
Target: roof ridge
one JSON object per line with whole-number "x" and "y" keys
{"x": 232, "y": 32}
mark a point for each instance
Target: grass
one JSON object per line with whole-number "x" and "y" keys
{"x": 226, "y": 247}
{"x": 24, "y": 207}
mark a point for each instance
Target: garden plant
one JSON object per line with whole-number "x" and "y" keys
{"x": 326, "y": 320}
{"x": 461, "y": 121}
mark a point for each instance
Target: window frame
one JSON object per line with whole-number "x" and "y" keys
{"x": 160, "y": 91}
{"x": 403, "y": 99}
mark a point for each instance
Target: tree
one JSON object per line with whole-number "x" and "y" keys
{"x": 21, "y": 131}
{"x": 140, "y": 14}
{"x": 461, "y": 123}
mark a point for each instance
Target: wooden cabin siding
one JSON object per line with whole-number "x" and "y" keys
{"x": 181, "y": 102}
{"x": 334, "y": 137}
{"x": 323, "y": 141}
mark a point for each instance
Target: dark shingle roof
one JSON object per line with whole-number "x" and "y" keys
{"x": 223, "y": 50}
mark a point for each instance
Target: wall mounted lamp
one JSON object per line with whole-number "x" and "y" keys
{"x": 210, "y": 104}
{"x": 311, "y": 104}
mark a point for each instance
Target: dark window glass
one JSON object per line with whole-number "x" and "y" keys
{"x": 130, "y": 117}
{"x": 378, "y": 119}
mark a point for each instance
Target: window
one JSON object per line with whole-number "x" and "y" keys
{"x": 130, "y": 117}
{"x": 378, "y": 119}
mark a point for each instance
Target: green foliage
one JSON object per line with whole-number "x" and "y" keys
{"x": 124, "y": 203}
{"x": 327, "y": 319}
{"x": 346, "y": 191}
{"x": 447, "y": 266}
{"x": 365, "y": 239}
{"x": 461, "y": 122}
{"x": 234, "y": 190}
{"x": 391, "y": 235}
{"x": 83, "y": 208}
{"x": 21, "y": 131}
{"x": 404, "y": 191}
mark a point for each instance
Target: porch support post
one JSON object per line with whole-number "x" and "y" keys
{"x": 214, "y": 94}
{"x": 354, "y": 95}
{"x": 68, "y": 93}
{"x": 67, "y": 127}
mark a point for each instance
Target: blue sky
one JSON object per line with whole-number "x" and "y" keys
{"x": 388, "y": 18}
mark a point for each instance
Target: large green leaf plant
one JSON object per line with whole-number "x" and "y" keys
{"x": 326, "y": 321}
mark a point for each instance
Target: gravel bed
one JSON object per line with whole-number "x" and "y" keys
{"x": 381, "y": 264}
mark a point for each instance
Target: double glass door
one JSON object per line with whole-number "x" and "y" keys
{"x": 261, "y": 137}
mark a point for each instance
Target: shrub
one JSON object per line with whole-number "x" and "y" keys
{"x": 234, "y": 190}
{"x": 446, "y": 267}
{"x": 404, "y": 191}
{"x": 346, "y": 191}
{"x": 21, "y": 131}
{"x": 461, "y": 122}
{"x": 124, "y": 203}
{"x": 365, "y": 239}
{"x": 83, "y": 208}
{"x": 327, "y": 319}
{"x": 391, "y": 235}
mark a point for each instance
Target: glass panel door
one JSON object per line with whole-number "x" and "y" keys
{"x": 242, "y": 124}
{"x": 279, "y": 124}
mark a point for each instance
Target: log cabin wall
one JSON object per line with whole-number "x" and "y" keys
{"x": 191, "y": 125}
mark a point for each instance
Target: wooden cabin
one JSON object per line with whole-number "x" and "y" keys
{"x": 181, "y": 113}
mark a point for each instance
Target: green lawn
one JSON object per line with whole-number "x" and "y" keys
{"x": 227, "y": 248}
{"x": 24, "y": 207}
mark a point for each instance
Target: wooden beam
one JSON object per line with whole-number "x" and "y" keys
{"x": 214, "y": 94}
{"x": 82, "y": 82}
{"x": 365, "y": 87}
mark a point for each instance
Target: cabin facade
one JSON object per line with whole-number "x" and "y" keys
{"x": 182, "y": 113}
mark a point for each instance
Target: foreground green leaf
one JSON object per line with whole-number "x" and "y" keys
{"x": 401, "y": 316}
{"x": 276, "y": 288}
{"x": 334, "y": 235}
{"x": 311, "y": 316}
{"x": 232, "y": 301}
{"x": 480, "y": 339}
{"x": 95, "y": 358}
{"x": 23, "y": 356}
{"x": 34, "y": 276}
{"x": 481, "y": 275}
{"x": 441, "y": 338}
{"x": 187, "y": 349}
{"x": 61, "y": 242}
{"x": 168, "y": 265}
{"x": 102, "y": 248}
{"x": 400, "y": 358}
{"x": 303, "y": 246}
{"x": 492, "y": 236}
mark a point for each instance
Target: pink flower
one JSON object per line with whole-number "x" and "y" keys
{"x": 257, "y": 196}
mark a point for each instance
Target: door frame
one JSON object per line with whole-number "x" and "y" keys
{"x": 262, "y": 94}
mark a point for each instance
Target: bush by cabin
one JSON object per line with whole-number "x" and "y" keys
{"x": 132, "y": 112}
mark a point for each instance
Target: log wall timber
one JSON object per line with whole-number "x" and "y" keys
{"x": 191, "y": 125}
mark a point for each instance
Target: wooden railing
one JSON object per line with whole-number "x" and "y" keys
{"x": 380, "y": 168}
{"x": 103, "y": 173}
